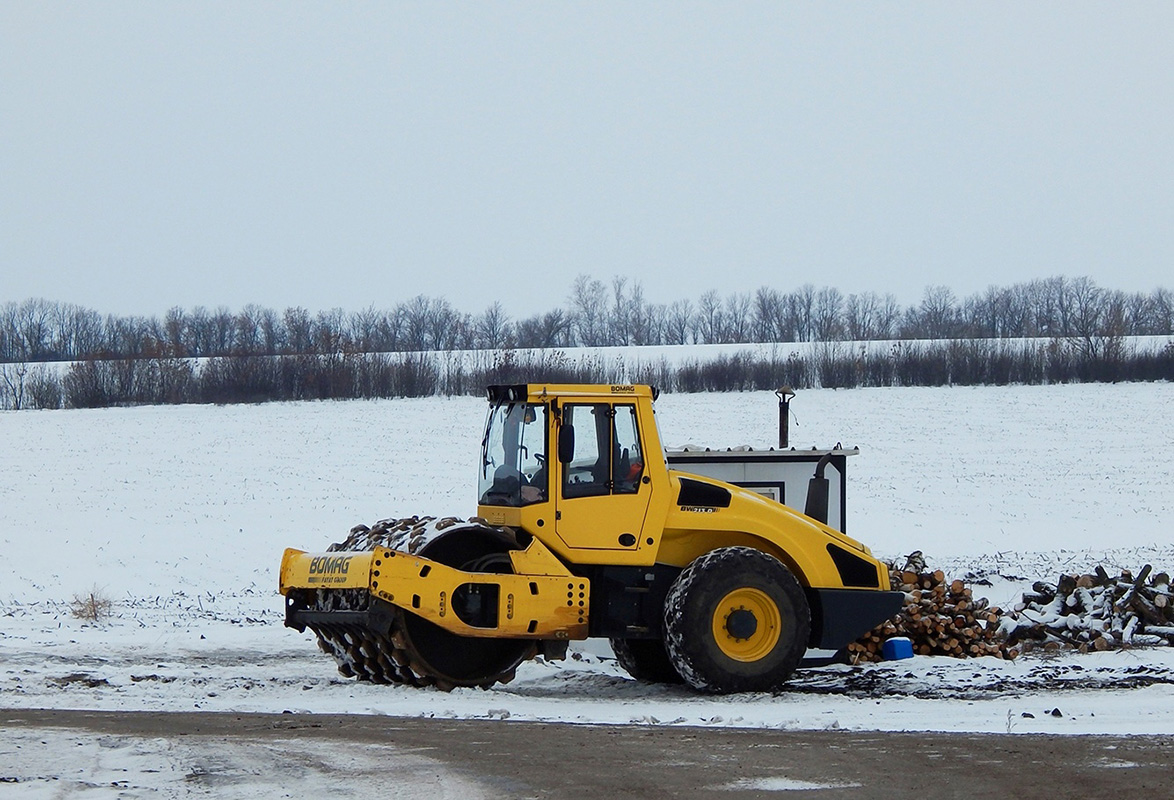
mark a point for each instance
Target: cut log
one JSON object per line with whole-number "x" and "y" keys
{"x": 1128, "y": 596}
{"x": 1147, "y": 610}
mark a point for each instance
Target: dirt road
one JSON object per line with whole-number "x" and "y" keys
{"x": 102, "y": 754}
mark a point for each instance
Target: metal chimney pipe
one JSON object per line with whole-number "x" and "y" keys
{"x": 784, "y": 393}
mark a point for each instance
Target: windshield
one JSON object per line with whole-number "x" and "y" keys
{"x": 513, "y": 456}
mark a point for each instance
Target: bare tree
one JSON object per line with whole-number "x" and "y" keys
{"x": 175, "y": 331}
{"x": 1083, "y": 311}
{"x": 544, "y": 330}
{"x": 737, "y": 318}
{"x": 493, "y": 328}
{"x": 64, "y": 331}
{"x": 801, "y": 312}
{"x": 11, "y": 343}
{"x": 860, "y": 316}
{"x": 329, "y": 329}
{"x": 1000, "y": 312}
{"x": 709, "y": 316}
{"x": 298, "y": 330}
{"x": 30, "y": 329}
{"x": 640, "y": 318}
{"x": 12, "y": 381}
{"x": 768, "y": 323}
{"x": 589, "y": 311}
{"x": 1163, "y": 312}
{"x": 657, "y": 322}
{"x": 391, "y": 329}
{"x": 7, "y": 332}
{"x": 247, "y": 335}
{"x": 828, "y": 323}
{"x": 85, "y": 331}
{"x": 679, "y": 322}
{"x": 363, "y": 329}
{"x": 1042, "y": 301}
{"x": 936, "y": 317}
{"x": 1139, "y": 313}
{"x": 199, "y": 336}
{"x": 272, "y": 332}
{"x": 444, "y": 325}
{"x": 222, "y": 323}
{"x": 888, "y": 315}
{"x": 416, "y": 318}
{"x": 619, "y": 318}
{"x": 129, "y": 337}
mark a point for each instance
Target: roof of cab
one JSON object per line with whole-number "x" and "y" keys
{"x": 538, "y": 392}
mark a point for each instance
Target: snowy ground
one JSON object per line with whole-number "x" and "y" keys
{"x": 180, "y": 515}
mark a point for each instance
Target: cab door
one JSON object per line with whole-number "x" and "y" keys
{"x": 603, "y": 491}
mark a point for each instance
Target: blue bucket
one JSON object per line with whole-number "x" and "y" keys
{"x": 897, "y": 648}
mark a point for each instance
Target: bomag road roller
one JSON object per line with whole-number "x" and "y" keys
{"x": 584, "y": 531}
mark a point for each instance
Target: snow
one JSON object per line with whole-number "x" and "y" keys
{"x": 783, "y": 785}
{"x": 180, "y": 516}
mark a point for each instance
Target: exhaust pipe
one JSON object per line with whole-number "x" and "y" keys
{"x": 817, "y": 492}
{"x": 785, "y": 394}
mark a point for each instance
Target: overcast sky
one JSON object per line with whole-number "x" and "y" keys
{"x": 347, "y": 154}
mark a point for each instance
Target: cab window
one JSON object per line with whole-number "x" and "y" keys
{"x": 513, "y": 456}
{"x": 607, "y": 457}
{"x": 587, "y": 473}
{"x": 627, "y": 461}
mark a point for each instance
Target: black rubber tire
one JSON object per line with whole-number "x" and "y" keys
{"x": 689, "y": 621}
{"x": 645, "y": 660}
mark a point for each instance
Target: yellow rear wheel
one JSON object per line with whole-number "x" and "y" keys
{"x": 736, "y": 620}
{"x": 747, "y": 624}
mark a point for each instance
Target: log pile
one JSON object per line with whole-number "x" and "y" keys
{"x": 939, "y": 617}
{"x": 1085, "y": 612}
{"x": 1095, "y": 611}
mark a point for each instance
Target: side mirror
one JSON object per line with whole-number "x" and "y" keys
{"x": 566, "y": 444}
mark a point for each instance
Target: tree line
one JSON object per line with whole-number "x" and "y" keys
{"x": 594, "y": 314}
{"x": 97, "y": 383}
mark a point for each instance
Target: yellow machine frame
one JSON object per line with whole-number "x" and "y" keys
{"x": 543, "y": 599}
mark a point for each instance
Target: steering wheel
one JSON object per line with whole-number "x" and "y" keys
{"x": 533, "y": 476}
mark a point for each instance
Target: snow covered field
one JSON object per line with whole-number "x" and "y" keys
{"x": 180, "y": 515}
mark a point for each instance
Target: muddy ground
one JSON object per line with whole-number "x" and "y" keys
{"x": 141, "y": 754}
